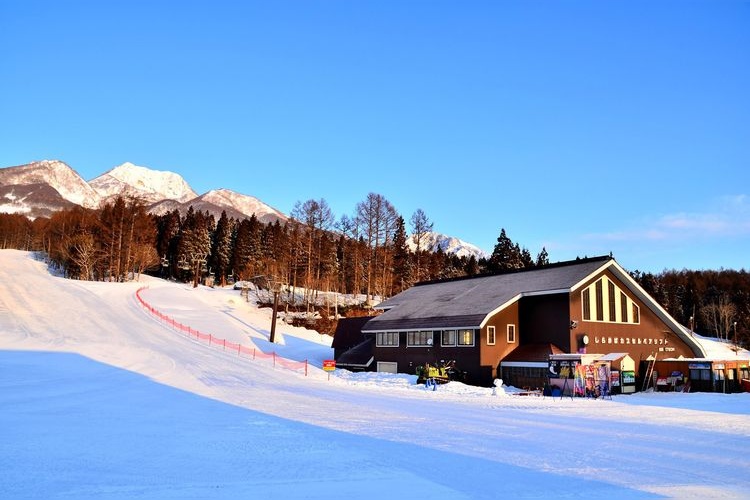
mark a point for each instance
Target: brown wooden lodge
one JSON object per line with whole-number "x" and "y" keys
{"x": 509, "y": 325}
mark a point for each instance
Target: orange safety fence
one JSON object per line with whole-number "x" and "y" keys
{"x": 226, "y": 345}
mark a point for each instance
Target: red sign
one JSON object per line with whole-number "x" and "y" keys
{"x": 329, "y": 365}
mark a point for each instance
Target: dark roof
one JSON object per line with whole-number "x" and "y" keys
{"x": 359, "y": 356}
{"x": 467, "y": 302}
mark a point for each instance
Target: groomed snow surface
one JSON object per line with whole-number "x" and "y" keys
{"x": 101, "y": 399}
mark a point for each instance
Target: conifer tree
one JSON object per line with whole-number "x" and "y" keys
{"x": 194, "y": 244}
{"x": 506, "y": 255}
{"x": 245, "y": 257}
{"x": 472, "y": 267}
{"x": 221, "y": 253}
{"x": 168, "y": 231}
{"x": 542, "y": 259}
{"x": 402, "y": 268}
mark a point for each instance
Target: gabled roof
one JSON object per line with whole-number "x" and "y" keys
{"x": 468, "y": 302}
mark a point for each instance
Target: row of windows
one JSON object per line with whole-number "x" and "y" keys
{"x": 448, "y": 338}
{"x": 614, "y": 306}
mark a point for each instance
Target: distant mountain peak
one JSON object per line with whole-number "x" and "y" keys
{"x": 150, "y": 185}
{"x": 55, "y": 174}
{"x": 241, "y": 203}
{"x": 433, "y": 241}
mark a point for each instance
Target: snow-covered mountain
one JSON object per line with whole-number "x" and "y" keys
{"x": 236, "y": 205}
{"x": 152, "y": 186}
{"x": 242, "y": 203}
{"x": 43, "y": 187}
{"x": 433, "y": 241}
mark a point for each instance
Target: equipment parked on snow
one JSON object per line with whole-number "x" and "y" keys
{"x": 439, "y": 373}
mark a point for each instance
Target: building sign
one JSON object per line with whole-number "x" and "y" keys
{"x": 699, "y": 366}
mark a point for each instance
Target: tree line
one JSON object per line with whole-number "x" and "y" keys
{"x": 365, "y": 253}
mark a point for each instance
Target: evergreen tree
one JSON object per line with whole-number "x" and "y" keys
{"x": 402, "y": 267}
{"x": 472, "y": 266}
{"x": 221, "y": 253}
{"x": 168, "y": 231}
{"x": 506, "y": 255}
{"x": 526, "y": 260}
{"x": 194, "y": 244}
{"x": 543, "y": 258}
{"x": 246, "y": 255}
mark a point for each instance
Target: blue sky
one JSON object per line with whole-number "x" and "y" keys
{"x": 586, "y": 127}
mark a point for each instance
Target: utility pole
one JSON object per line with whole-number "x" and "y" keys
{"x": 276, "y": 287}
{"x": 273, "y": 318}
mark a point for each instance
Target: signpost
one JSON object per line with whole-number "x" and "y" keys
{"x": 329, "y": 365}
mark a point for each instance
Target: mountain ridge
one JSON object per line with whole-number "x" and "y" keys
{"x": 41, "y": 188}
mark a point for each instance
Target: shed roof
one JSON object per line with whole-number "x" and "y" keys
{"x": 533, "y": 352}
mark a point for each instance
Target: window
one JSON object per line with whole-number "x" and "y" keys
{"x": 418, "y": 339}
{"x": 490, "y": 335}
{"x": 386, "y": 339}
{"x": 636, "y": 316}
{"x": 466, "y": 337}
{"x": 511, "y": 334}
{"x": 599, "y": 302}
{"x": 586, "y": 298}
{"x": 448, "y": 337}
{"x": 618, "y": 308}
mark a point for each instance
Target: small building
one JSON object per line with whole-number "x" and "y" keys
{"x": 622, "y": 372}
{"x": 699, "y": 375}
{"x": 487, "y": 323}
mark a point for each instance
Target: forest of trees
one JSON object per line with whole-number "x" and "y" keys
{"x": 365, "y": 253}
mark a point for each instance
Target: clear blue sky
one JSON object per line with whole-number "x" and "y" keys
{"x": 587, "y": 127}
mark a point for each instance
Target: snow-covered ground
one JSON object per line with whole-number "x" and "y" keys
{"x": 100, "y": 399}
